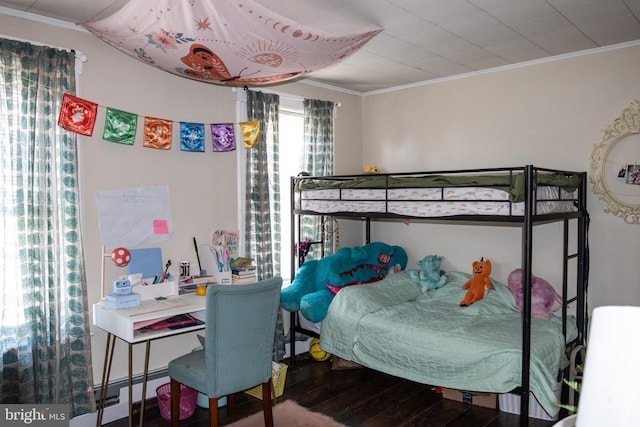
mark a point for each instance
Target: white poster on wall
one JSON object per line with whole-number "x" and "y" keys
{"x": 134, "y": 216}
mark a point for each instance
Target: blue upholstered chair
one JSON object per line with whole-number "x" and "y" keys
{"x": 237, "y": 355}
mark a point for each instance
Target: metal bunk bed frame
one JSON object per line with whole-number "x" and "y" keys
{"x": 527, "y": 222}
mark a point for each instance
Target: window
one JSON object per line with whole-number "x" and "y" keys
{"x": 304, "y": 141}
{"x": 291, "y": 150}
{"x": 265, "y": 220}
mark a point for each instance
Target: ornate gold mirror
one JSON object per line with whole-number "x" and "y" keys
{"x": 615, "y": 165}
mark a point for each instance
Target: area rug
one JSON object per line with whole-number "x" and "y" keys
{"x": 289, "y": 414}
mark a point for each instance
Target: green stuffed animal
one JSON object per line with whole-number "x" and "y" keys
{"x": 430, "y": 277}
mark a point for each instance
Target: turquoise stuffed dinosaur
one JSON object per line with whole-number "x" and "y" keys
{"x": 429, "y": 277}
{"x": 317, "y": 281}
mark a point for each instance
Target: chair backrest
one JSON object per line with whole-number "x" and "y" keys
{"x": 239, "y": 334}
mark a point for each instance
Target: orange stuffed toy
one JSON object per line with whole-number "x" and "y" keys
{"x": 477, "y": 284}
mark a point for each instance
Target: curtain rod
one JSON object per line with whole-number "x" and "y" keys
{"x": 79, "y": 55}
{"x": 280, "y": 94}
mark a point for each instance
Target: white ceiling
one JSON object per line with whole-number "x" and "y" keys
{"x": 425, "y": 40}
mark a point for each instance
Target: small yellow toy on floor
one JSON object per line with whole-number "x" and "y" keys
{"x": 317, "y": 352}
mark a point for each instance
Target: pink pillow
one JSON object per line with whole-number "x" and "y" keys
{"x": 544, "y": 298}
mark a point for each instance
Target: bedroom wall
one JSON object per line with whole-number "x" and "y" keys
{"x": 548, "y": 114}
{"x": 202, "y": 186}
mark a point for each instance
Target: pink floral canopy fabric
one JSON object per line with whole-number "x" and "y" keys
{"x": 227, "y": 42}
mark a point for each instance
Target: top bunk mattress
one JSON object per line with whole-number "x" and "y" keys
{"x": 437, "y": 195}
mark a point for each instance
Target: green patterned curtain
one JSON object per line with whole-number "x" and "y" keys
{"x": 45, "y": 351}
{"x": 262, "y": 220}
{"x": 318, "y": 161}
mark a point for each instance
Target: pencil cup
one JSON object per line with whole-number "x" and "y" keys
{"x": 185, "y": 269}
{"x": 167, "y": 288}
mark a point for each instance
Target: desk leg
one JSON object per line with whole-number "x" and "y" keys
{"x": 130, "y": 383}
{"x": 106, "y": 373}
{"x": 144, "y": 380}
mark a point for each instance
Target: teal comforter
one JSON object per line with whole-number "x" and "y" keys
{"x": 391, "y": 327}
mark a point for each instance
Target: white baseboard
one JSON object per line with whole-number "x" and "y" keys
{"x": 121, "y": 409}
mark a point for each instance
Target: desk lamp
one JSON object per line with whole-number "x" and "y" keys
{"x": 610, "y": 393}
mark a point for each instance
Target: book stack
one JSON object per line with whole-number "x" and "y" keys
{"x": 245, "y": 276}
{"x": 243, "y": 271}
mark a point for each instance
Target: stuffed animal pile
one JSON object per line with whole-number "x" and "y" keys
{"x": 429, "y": 277}
{"x": 317, "y": 281}
{"x": 478, "y": 283}
{"x": 544, "y": 299}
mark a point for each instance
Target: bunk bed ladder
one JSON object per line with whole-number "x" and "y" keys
{"x": 581, "y": 256}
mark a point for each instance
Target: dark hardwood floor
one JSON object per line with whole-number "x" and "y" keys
{"x": 358, "y": 397}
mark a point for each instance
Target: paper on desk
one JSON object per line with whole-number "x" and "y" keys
{"x": 145, "y": 323}
{"x": 200, "y": 315}
{"x": 152, "y": 305}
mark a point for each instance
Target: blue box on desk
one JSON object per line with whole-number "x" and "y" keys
{"x": 116, "y": 302}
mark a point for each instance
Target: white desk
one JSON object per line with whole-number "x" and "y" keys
{"x": 125, "y": 324}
